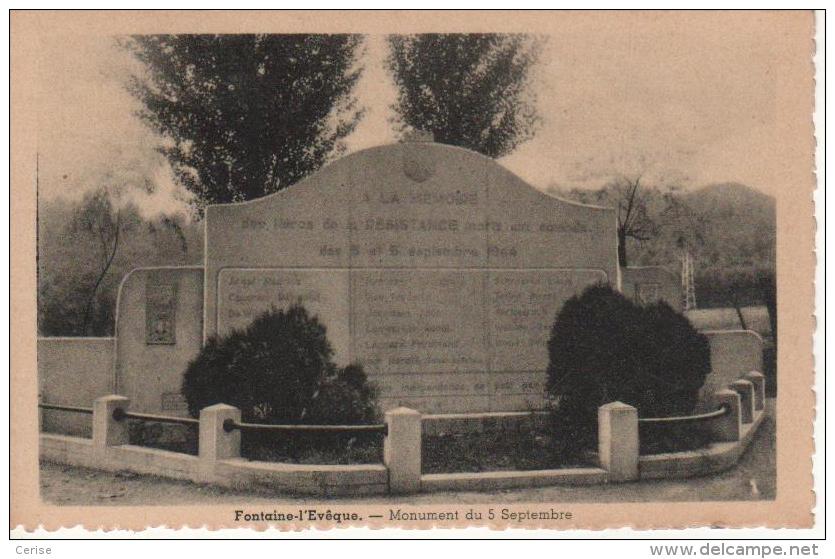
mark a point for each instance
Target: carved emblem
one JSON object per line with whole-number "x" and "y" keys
{"x": 160, "y": 313}
{"x": 418, "y": 162}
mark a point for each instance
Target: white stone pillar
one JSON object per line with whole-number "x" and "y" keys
{"x": 728, "y": 427}
{"x": 402, "y": 450}
{"x": 746, "y": 395}
{"x": 215, "y": 442}
{"x": 758, "y": 380}
{"x": 617, "y": 432}
{"x": 106, "y": 430}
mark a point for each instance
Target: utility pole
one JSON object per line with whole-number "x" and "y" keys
{"x": 688, "y": 284}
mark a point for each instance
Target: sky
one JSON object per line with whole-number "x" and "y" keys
{"x": 696, "y": 103}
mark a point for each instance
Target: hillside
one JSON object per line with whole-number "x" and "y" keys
{"x": 731, "y": 195}
{"x": 736, "y": 229}
{"x": 730, "y": 229}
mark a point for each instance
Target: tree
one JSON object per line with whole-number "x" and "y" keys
{"x": 634, "y": 203}
{"x": 79, "y": 271}
{"x": 646, "y": 213}
{"x": 652, "y": 359}
{"x": 243, "y": 116}
{"x": 634, "y": 221}
{"x": 98, "y": 219}
{"x": 279, "y": 369}
{"x": 469, "y": 90}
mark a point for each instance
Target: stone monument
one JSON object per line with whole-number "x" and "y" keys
{"x": 431, "y": 265}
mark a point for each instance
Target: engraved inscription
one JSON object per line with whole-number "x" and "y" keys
{"x": 522, "y": 306}
{"x": 243, "y": 294}
{"x": 443, "y": 281}
{"x": 418, "y": 321}
{"x": 424, "y": 334}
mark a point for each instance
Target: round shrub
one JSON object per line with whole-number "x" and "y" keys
{"x": 279, "y": 370}
{"x": 605, "y": 348}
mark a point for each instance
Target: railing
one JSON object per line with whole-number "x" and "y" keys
{"x": 230, "y": 425}
{"x": 58, "y": 407}
{"x": 120, "y": 414}
{"x": 220, "y": 425}
{"x": 723, "y": 409}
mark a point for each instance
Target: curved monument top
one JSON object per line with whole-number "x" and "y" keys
{"x": 419, "y": 162}
{"x": 432, "y": 224}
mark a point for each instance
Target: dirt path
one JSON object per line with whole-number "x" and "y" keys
{"x": 753, "y": 478}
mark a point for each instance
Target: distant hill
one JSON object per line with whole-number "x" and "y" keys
{"x": 730, "y": 229}
{"x": 740, "y": 227}
{"x": 733, "y": 200}
{"x": 735, "y": 244}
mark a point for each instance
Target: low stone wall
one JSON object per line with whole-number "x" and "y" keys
{"x": 77, "y": 451}
{"x": 717, "y": 457}
{"x": 618, "y": 450}
{"x": 219, "y": 461}
{"x": 322, "y": 481}
{"x": 646, "y": 284}
{"x": 492, "y": 481}
{"x": 73, "y": 372}
{"x": 733, "y": 353}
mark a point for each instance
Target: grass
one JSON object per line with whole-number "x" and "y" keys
{"x": 528, "y": 448}
{"x": 175, "y": 438}
{"x": 660, "y": 439}
{"x": 314, "y": 449}
{"x": 489, "y": 451}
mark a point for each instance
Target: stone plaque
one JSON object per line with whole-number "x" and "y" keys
{"x": 432, "y": 266}
{"x": 160, "y": 312}
{"x": 430, "y": 321}
{"x": 646, "y": 293}
{"x": 475, "y": 336}
{"x": 246, "y": 293}
{"x": 173, "y": 402}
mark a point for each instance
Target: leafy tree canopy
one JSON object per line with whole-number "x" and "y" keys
{"x": 86, "y": 247}
{"x": 246, "y": 115}
{"x": 605, "y": 348}
{"x": 469, "y": 90}
{"x": 279, "y": 369}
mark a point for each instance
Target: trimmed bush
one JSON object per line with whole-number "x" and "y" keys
{"x": 605, "y": 348}
{"x": 279, "y": 370}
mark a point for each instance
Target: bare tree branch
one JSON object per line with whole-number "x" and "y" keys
{"x": 89, "y": 307}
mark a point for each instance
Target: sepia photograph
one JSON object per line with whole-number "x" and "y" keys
{"x": 489, "y": 270}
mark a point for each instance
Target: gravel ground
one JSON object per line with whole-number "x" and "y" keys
{"x": 753, "y": 478}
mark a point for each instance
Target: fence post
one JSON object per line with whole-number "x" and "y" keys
{"x": 758, "y": 380}
{"x": 746, "y": 395}
{"x": 728, "y": 427}
{"x": 215, "y": 442}
{"x": 402, "y": 450}
{"x": 617, "y": 431}
{"x": 106, "y": 430}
